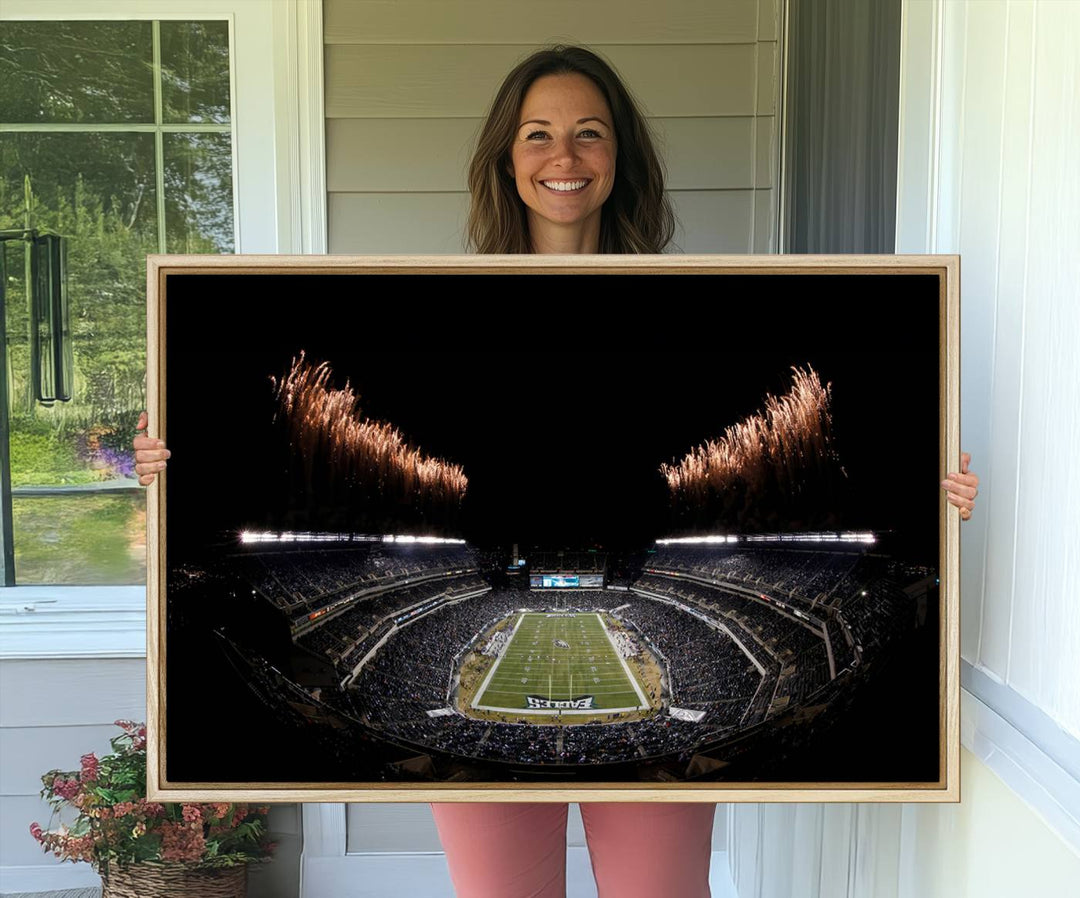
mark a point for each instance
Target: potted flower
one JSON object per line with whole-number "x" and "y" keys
{"x": 143, "y": 848}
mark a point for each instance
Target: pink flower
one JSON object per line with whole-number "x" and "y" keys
{"x": 181, "y": 842}
{"x": 150, "y": 808}
{"x": 192, "y": 814}
{"x": 35, "y": 831}
{"x": 123, "y": 808}
{"x": 65, "y": 788}
{"x": 89, "y": 768}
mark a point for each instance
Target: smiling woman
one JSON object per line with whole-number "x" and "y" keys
{"x": 565, "y": 163}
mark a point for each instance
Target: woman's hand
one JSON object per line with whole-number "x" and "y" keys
{"x": 150, "y": 454}
{"x": 962, "y": 488}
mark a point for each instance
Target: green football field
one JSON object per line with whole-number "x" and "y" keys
{"x": 562, "y": 662}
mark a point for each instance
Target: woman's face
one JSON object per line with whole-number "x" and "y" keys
{"x": 563, "y": 155}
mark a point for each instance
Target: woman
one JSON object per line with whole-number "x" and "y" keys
{"x": 565, "y": 164}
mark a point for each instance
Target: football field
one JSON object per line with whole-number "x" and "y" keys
{"x": 561, "y": 662}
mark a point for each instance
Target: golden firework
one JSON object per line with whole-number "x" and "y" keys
{"x": 776, "y": 445}
{"x": 328, "y": 423}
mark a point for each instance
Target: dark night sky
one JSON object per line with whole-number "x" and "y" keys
{"x": 560, "y": 395}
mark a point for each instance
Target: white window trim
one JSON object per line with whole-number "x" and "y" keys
{"x": 279, "y": 186}
{"x": 1033, "y": 756}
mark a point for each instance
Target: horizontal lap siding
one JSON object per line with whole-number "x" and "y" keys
{"x": 408, "y": 84}
{"x": 530, "y": 24}
{"x": 455, "y": 81}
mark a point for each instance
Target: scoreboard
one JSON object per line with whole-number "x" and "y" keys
{"x": 566, "y": 581}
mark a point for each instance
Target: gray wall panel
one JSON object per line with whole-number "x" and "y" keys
{"x": 369, "y": 223}
{"x": 388, "y": 827}
{"x": 529, "y": 23}
{"x": 44, "y": 693}
{"x": 375, "y": 81}
{"x": 713, "y": 221}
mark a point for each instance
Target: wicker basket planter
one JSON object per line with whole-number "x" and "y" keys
{"x": 159, "y": 880}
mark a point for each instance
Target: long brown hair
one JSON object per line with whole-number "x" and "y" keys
{"x": 637, "y": 216}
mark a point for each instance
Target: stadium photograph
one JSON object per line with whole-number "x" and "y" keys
{"x": 560, "y": 532}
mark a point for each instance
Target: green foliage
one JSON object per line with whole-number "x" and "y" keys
{"x": 106, "y": 277}
{"x": 116, "y": 825}
{"x": 38, "y": 458}
{"x": 81, "y": 539}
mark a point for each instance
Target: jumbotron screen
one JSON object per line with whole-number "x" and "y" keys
{"x": 566, "y": 581}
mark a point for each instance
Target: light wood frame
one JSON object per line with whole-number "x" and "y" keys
{"x": 947, "y": 788}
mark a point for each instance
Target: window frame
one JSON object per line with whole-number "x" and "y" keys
{"x": 276, "y": 93}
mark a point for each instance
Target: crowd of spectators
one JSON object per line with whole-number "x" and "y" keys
{"x": 302, "y": 580}
{"x": 706, "y": 670}
{"x": 346, "y": 637}
{"x": 740, "y": 635}
{"x": 805, "y": 575}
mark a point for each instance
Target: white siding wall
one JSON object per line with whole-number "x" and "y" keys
{"x": 989, "y": 150}
{"x": 1009, "y": 202}
{"x": 408, "y": 83}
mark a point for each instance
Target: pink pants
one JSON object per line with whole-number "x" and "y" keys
{"x": 518, "y": 850}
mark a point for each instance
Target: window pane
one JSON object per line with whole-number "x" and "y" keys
{"x": 198, "y": 193}
{"x": 79, "y": 516}
{"x": 195, "y": 71}
{"x": 81, "y": 539}
{"x": 76, "y": 72}
{"x": 98, "y": 191}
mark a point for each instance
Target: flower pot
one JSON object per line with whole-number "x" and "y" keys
{"x": 169, "y": 880}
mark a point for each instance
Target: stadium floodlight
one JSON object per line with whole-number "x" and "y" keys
{"x": 288, "y": 536}
{"x": 426, "y": 540}
{"x": 846, "y": 537}
{"x": 696, "y": 540}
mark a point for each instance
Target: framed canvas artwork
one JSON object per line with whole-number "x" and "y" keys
{"x": 554, "y": 528}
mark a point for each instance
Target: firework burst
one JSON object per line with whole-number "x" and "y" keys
{"x": 773, "y": 450}
{"x": 328, "y": 424}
